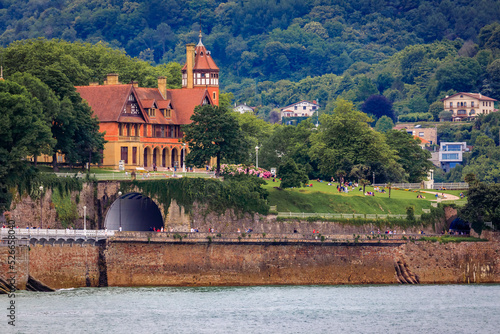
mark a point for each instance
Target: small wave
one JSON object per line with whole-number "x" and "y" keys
{"x": 66, "y": 289}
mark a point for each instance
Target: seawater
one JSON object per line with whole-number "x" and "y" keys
{"x": 263, "y": 309}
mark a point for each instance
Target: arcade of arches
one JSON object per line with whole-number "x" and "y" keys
{"x": 163, "y": 157}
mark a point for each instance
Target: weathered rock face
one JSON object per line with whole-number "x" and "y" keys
{"x": 26, "y": 212}
{"x": 98, "y": 197}
{"x": 468, "y": 262}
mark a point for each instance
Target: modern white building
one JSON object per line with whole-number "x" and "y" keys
{"x": 451, "y": 154}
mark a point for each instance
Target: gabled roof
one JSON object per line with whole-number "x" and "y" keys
{"x": 185, "y": 100}
{"x": 480, "y": 97}
{"x": 292, "y": 105}
{"x": 164, "y": 104}
{"x": 422, "y": 140}
{"x": 107, "y": 102}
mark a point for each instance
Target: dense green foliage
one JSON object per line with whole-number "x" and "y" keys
{"x": 291, "y": 175}
{"x": 243, "y": 194}
{"x": 278, "y": 52}
{"x": 483, "y": 204}
{"x": 23, "y": 132}
{"x": 345, "y": 139}
{"x": 214, "y": 132}
{"x": 65, "y": 208}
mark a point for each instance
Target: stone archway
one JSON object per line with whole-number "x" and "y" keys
{"x": 133, "y": 212}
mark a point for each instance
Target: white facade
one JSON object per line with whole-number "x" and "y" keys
{"x": 243, "y": 108}
{"x": 451, "y": 154}
{"x": 300, "y": 109}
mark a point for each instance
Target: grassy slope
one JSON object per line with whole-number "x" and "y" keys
{"x": 322, "y": 198}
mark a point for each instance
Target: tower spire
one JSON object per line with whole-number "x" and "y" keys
{"x": 200, "y": 42}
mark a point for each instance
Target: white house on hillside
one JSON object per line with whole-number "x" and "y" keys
{"x": 300, "y": 109}
{"x": 243, "y": 108}
{"x": 468, "y": 105}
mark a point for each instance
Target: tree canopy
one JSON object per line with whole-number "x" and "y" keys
{"x": 24, "y": 132}
{"x": 214, "y": 133}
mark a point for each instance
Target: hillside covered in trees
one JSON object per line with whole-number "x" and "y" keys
{"x": 273, "y": 53}
{"x": 392, "y": 59}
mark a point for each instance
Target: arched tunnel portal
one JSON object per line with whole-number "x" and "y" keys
{"x": 133, "y": 212}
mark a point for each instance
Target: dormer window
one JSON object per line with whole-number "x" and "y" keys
{"x": 152, "y": 112}
{"x": 167, "y": 113}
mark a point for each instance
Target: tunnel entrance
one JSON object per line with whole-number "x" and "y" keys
{"x": 133, "y": 212}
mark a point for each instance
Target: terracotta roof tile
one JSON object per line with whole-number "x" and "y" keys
{"x": 473, "y": 95}
{"x": 184, "y": 101}
{"x": 107, "y": 102}
{"x": 164, "y": 104}
{"x": 130, "y": 119}
{"x": 422, "y": 140}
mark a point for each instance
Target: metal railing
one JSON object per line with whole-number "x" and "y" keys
{"x": 67, "y": 233}
{"x": 439, "y": 186}
{"x": 451, "y": 186}
{"x": 399, "y": 185}
{"x": 342, "y": 215}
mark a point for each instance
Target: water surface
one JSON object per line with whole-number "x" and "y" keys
{"x": 267, "y": 309}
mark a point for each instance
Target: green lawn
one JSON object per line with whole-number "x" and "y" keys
{"x": 322, "y": 198}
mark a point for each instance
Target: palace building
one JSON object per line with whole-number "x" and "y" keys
{"x": 143, "y": 125}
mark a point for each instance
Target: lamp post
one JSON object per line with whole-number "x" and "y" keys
{"x": 41, "y": 206}
{"x": 257, "y": 157}
{"x": 184, "y": 158}
{"x": 120, "y": 210}
{"x": 85, "y": 220}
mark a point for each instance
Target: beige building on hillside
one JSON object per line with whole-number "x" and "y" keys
{"x": 427, "y": 134}
{"x": 468, "y": 105}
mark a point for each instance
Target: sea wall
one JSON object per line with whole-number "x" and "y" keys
{"x": 202, "y": 264}
{"x": 199, "y": 264}
{"x": 151, "y": 261}
{"x": 14, "y": 265}
{"x": 65, "y": 265}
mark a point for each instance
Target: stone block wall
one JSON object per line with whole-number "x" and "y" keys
{"x": 20, "y": 267}
{"x": 65, "y": 266}
{"x": 204, "y": 264}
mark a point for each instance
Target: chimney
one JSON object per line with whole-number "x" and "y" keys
{"x": 162, "y": 86}
{"x": 135, "y": 84}
{"x": 112, "y": 79}
{"x": 94, "y": 84}
{"x": 190, "y": 64}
